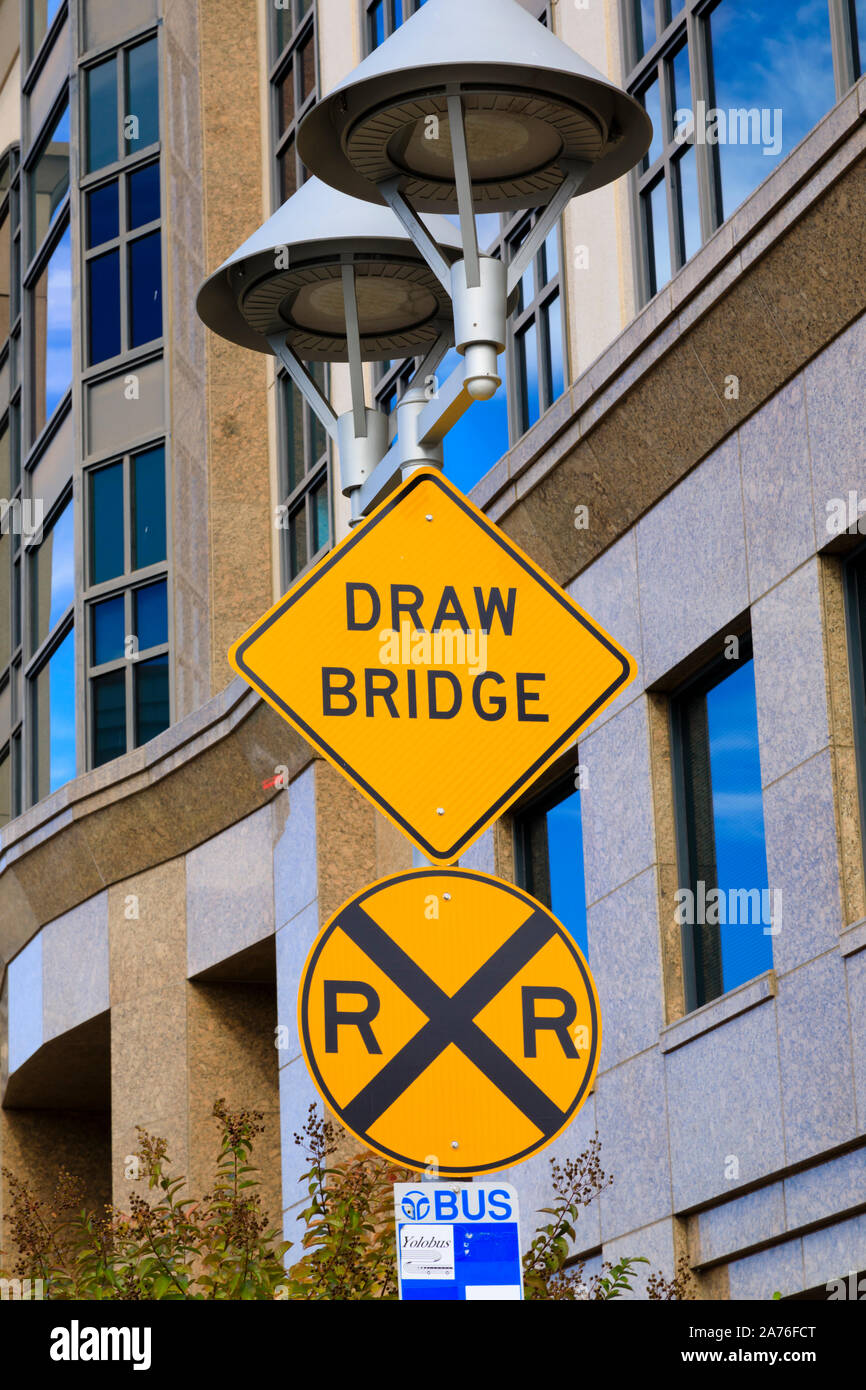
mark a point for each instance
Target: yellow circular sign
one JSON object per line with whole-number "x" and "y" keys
{"x": 449, "y": 1019}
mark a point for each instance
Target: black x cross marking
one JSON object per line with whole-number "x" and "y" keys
{"x": 451, "y": 1019}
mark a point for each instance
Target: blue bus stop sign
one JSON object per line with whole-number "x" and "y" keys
{"x": 458, "y": 1241}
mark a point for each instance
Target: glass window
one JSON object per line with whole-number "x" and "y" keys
{"x": 724, "y": 904}
{"x": 53, "y": 576}
{"x": 761, "y": 55}
{"x": 148, "y": 501}
{"x": 5, "y": 601}
{"x": 645, "y": 25}
{"x": 151, "y": 615}
{"x": 52, "y": 332}
{"x": 103, "y": 215}
{"x": 54, "y": 720}
{"x": 860, "y": 8}
{"x": 5, "y": 787}
{"x": 108, "y": 694}
{"x": 141, "y": 119}
{"x": 651, "y": 99}
{"x": 689, "y": 207}
{"x": 656, "y": 210}
{"x": 527, "y": 375}
{"x": 101, "y": 89}
{"x": 103, "y": 299}
{"x": 550, "y": 857}
{"x": 5, "y": 272}
{"x": 145, "y": 289}
{"x": 42, "y": 14}
{"x": 107, "y": 630}
{"x": 151, "y": 699}
{"x": 143, "y": 196}
{"x": 49, "y": 180}
{"x": 106, "y": 523}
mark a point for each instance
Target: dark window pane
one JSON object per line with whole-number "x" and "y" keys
{"x": 49, "y": 180}
{"x": 109, "y": 717}
{"x": 773, "y": 82}
{"x": 687, "y": 174}
{"x": 527, "y": 376}
{"x": 5, "y": 601}
{"x": 5, "y": 788}
{"x": 141, "y": 123}
{"x": 151, "y": 699}
{"x": 103, "y": 306}
{"x": 52, "y": 332}
{"x": 53, "y": 576}
{"x": 306, "y": 64}
{"x": 145, "y": 289}
{"x": 148, "y": 500}
{"x": 651, "y": 99}
{"x": 288, "y": 172}
{"x": 321, "y": 526}
{"x": 294, "y": 427}
{"x": 376, "y": 24}
{"x": 106, "y": 523}
{"x": 526, "y": 289}
{"x": 143, "y": 201}
{"x": 656, "y": 209}
{"x": 286, "y": 98}
{"x": 54, "y": 731}
{"x": 861, "y": 33}
{"x": 552, "y": 337}
{"x": 107, "y": 630}
{"x": 645, "y": 25}
{"x": 103, "y": 218}
{"x": 101, "y": 84}
{"x": 298, "y": 541}
{"x": 151, "y": 615}
{"x": 5, "y": 461}
{"x": 5, "y": 287}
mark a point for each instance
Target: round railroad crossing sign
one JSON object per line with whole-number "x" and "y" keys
{"x": 448, "y": 1019}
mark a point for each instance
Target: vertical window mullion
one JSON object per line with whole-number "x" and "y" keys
{"x": 846, "y": 58}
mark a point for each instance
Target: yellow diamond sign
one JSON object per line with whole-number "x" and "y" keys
{"x": 434, "y": 664}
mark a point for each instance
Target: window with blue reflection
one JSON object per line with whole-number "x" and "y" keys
{"x": 103, "y": 307}
{"x": 651, "y": 99}
{"x": 151, "y": 615}
{"x": 148, "y": 501}
{"x": 108, "y": 717}
{"x": 107, "y": 630}
{"x": 42, "y": 14}
{"x": 143, "y": 196}
{"x": 550, "y": 856}
{"x": 480, "y": 437}
{"x": 773, "y": 81}
{"x": 142, "y": 96}
{"x": 644, "y": 25}
{"x": 656, "y": 211}
{"x": 103, "y": 217}
{"x": 49, "y": 180}
{"x": 52, "y": 332}
{"x": 101, "y": 120}
{"x": 151, "y": 699}
{"x": 526, "y": 351}
{"x": 54, "y": 724}
{"x": 106, "y": 523}
{"x": 860, "y": 10}
{"x": 690, "y": 212}
{"x": 145, "y": 289}
{"x": 53, "y": 576}
{"x": 725, "y": 905}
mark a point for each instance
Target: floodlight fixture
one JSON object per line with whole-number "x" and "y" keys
{"x": 330, "y": 279}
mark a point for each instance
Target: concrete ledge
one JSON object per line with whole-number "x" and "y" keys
{"x": 718, "y": 1011}
{"x": 202, "y": 775}
{"x": 853, "y": 938}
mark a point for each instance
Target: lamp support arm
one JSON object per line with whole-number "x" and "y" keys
{"x": 305, "y": 383}
{"x": 416, "y": 230}
{"x": 576, "y": 172}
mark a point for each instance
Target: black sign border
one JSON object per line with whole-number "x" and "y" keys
{"x": 414, "y": 1164}
{"x": 467, "y": 838}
